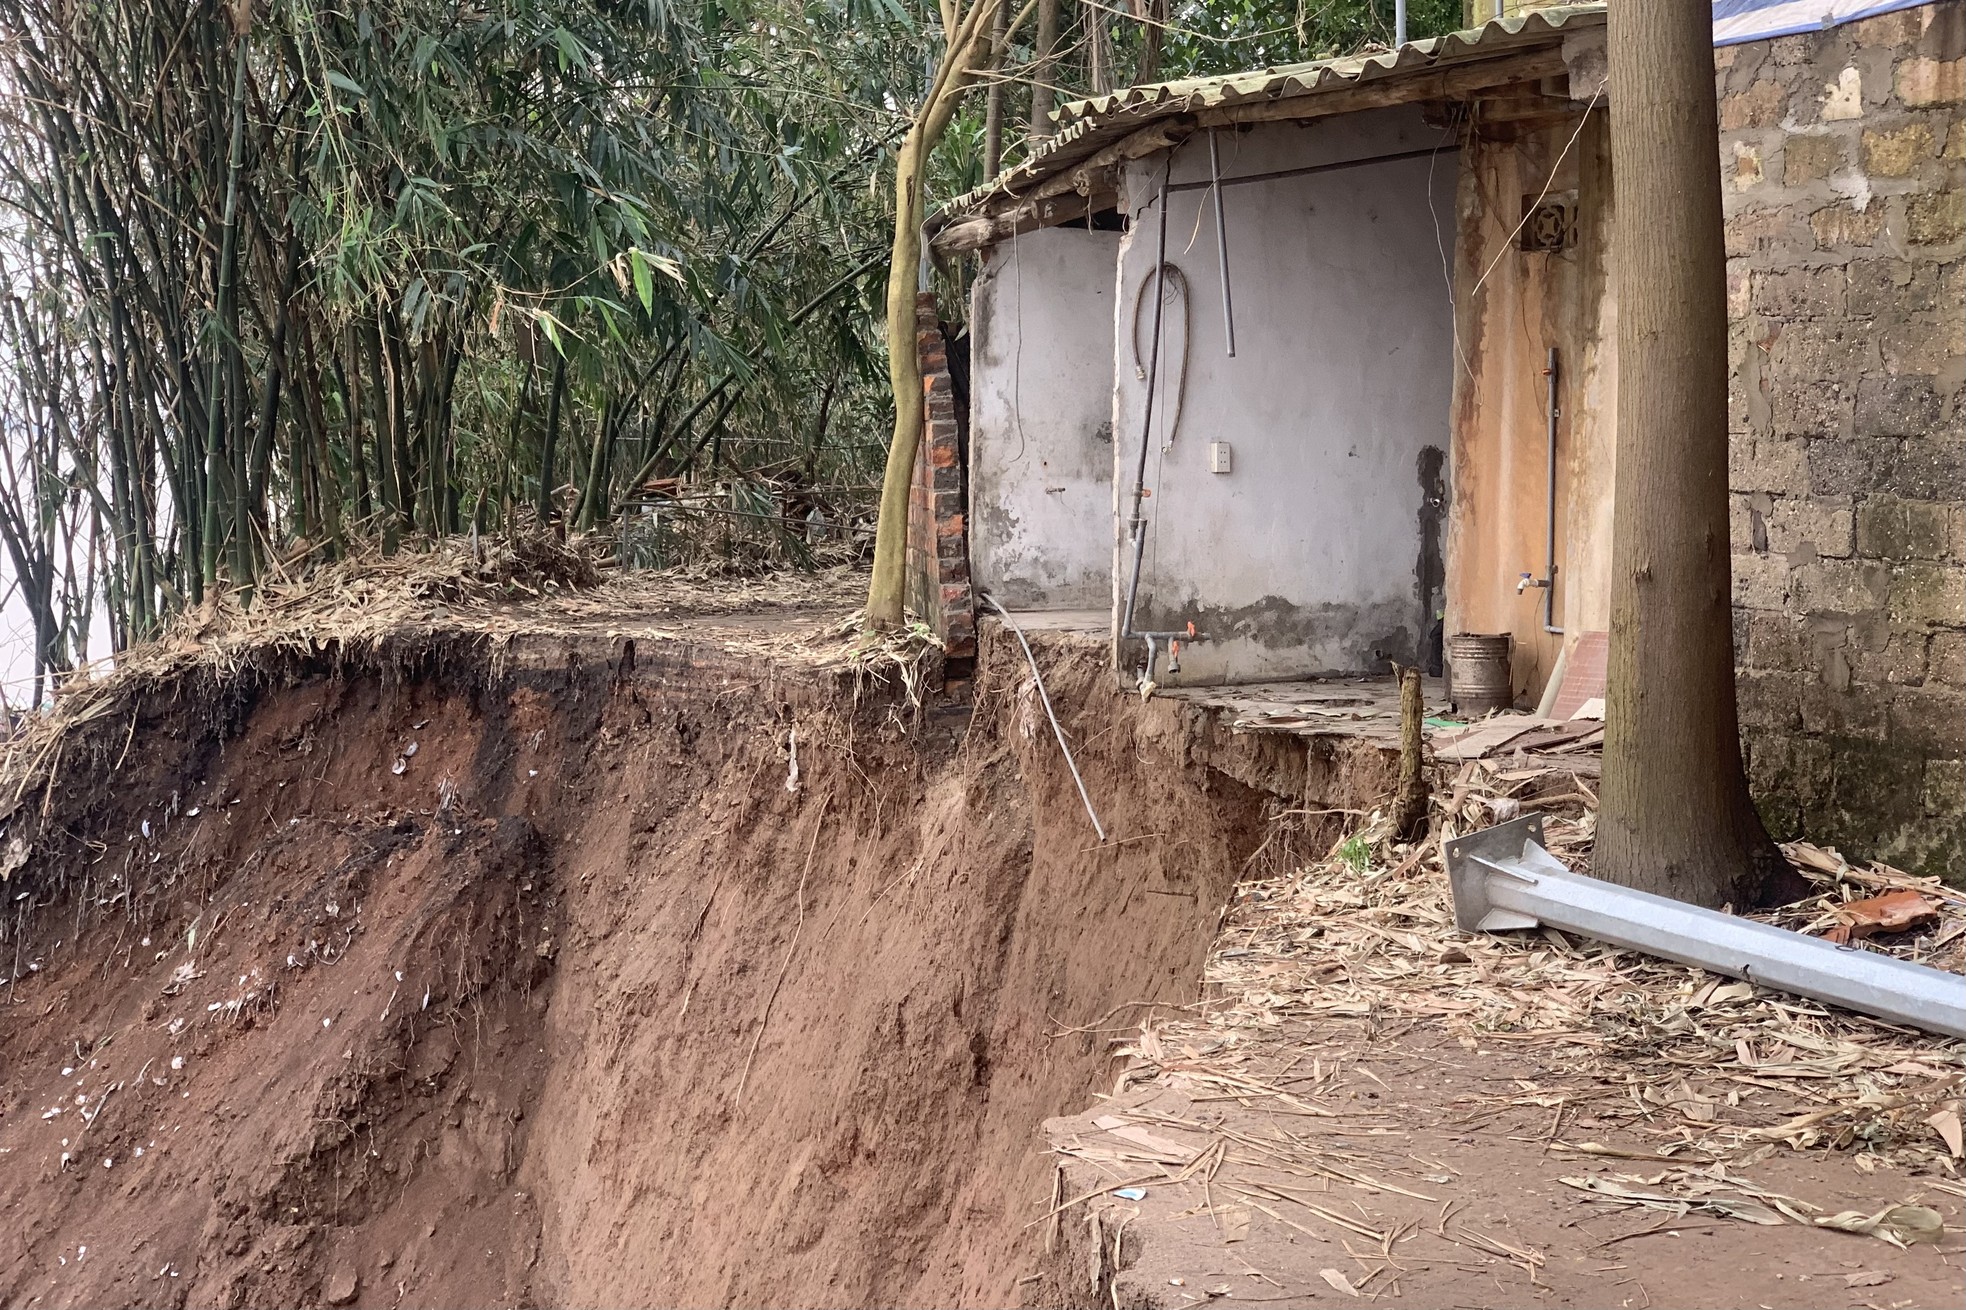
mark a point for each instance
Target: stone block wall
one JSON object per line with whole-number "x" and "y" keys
{"x": 938, "y": 540}
{"x": 1842, "y": 156}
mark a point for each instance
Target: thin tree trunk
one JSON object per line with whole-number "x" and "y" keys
{"x": 967, "y": 48}
{"x": 1675, "y": 817}
{"x": 451, "y": 359}
{"x": 993, "y": 100}
{"x": 552, "y": 437}
{"x": 594, "y": 491}
{"x": 381, "y": 423}
{"x": 219, "y": 483}
{"x": 1410, "y": 806}
{"x": 1098, "y": 47}
{"x": 1152, "y": 38}
{"x": 1044, "y": 70}
{"x": 397, "y": 392}
{"x": 348, "y": 380}
{"x": 521, "y": 408}
{"x": 327, "y": 482}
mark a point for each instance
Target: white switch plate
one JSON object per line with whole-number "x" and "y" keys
{"x": 1220, "y": 458}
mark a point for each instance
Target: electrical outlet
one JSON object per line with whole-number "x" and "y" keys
{"x": 1220, "y": 458}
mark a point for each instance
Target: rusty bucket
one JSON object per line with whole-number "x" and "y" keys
{"x": 1479, "y": 663}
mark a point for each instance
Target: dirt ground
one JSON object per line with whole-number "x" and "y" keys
{"x": 606, "y": 966}
{"x": 1424, "y": 1174}
{"x": 634, "y": 953}
{"x": 1368, "y": 1103}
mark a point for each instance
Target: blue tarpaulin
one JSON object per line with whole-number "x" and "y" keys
{"x": 1735, "y": 21}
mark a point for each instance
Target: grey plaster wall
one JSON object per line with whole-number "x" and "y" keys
{"x": 1041, "y": 393}
{"x": 1313, "y": 555}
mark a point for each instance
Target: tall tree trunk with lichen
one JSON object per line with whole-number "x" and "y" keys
{"x": 969, "y": 50}
{"x": 1676, "y": 818}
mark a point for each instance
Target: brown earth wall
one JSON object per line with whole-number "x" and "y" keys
{"x": 654, "y": 974}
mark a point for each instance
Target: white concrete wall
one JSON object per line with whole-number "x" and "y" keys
{"x": 1307, "y": 558}
{"x": 1040, "y": 443}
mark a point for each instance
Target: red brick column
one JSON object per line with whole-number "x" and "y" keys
{"x": 938, "y": 539}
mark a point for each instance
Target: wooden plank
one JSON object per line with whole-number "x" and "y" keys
{"x": 1084, "y": 176}
{"x": 977, "y": 232}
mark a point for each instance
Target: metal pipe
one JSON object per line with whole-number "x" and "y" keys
{"x": 1503, "y": 878}
{"x": 1549, "y": 555}
{"x": 1399, "y": 23}
{"x": 1445, "y": 148}
{"x": 1548, "y": 581}
{"x": 1137, "y": 523}
{"x": 1498, "y": 9}
{"x": 1221, "y": 244}
{"x": 1173, "y": 640}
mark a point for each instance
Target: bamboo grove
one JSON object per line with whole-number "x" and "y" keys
{"x": 284, "y": 277}
{"x": 288, "y": 279}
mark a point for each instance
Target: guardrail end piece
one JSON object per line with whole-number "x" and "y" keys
{"x": 1468, "y": 876}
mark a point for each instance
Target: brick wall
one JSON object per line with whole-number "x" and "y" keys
{"x": 1846, "y": 218}
{"x": 938, "y": 543}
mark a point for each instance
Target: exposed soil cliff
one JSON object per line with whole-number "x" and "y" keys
{"x": 589, "y": 970}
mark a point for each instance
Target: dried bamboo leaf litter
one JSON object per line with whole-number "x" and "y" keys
{"x": 1366, "y": 939}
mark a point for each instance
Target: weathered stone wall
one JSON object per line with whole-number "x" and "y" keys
{"x": 1846, "y": 218}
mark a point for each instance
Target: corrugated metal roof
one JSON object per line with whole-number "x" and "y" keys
{"x": 1087, "y": 126}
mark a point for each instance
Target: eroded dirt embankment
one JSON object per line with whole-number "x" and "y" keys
{"x": 451, "y": 975}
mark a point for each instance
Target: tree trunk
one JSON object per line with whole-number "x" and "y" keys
{"x": 1675, "y": 817}
{"x": 1044, "y": 69}
{"x": 1410, "y": 806}
{"x": 1098, "y": 48}
{"x": 966, "y": 49}
{"x": 1152, "y": 37}
{"x": 885, "y": 592}
{"x": 993, "y": 101}
{"x": 551, "y": 439}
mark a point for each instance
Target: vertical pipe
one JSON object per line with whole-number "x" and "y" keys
{"x": 1549, "y": 555}
{"x": 1498, "y": 8}
{"x": 1399, "y": 23}
{"x": 1221, "y": 244}
{"x": 1137, "y": 524}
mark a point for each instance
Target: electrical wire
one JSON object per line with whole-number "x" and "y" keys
{"x": 1057, "y": 731}
{"x": 1175, "y": 288}
{"x": 1535, "y": 204}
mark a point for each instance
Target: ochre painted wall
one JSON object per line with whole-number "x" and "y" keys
{"x": 1512, "y": 307}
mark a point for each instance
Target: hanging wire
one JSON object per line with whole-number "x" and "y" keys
{"x": 1049, "y": 713}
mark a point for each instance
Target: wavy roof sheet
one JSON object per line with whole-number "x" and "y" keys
{"x": 1087, "y": 126}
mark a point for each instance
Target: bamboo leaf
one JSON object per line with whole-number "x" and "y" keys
{"x": 644, "y": 284}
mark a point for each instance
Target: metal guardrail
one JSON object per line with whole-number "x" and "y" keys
{"x": 1503, "y": 878}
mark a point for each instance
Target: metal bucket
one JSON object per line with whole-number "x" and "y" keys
{"x": 1479, "y": 662}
